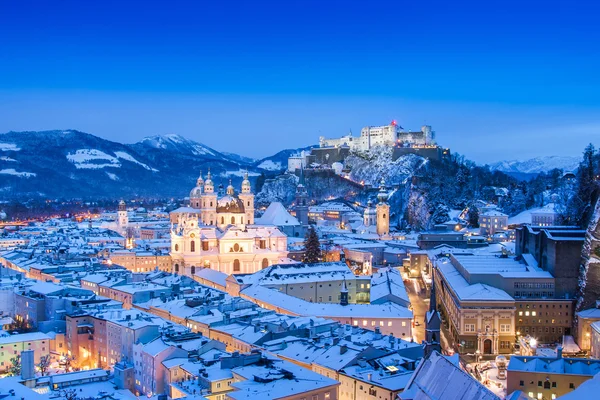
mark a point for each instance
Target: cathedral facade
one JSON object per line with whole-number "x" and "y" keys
{"x": 217, "y": 232}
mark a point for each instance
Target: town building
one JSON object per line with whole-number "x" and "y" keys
{"x": 492, "y": 222}
{"x": 549, "y": 377}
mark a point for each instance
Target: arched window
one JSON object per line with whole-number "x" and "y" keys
{"x": 193, "y": 246}
{"x": 211, "y": 203}
{"x": 176, "y": 247}
{"x": 248, "y": 203}
{"x": 236, "y": 265}
{"x": 176, "y": 268}
{"x": 265, "y": 263}
{"x": 233, "y": 220}
{"x": 383, "y": 215}
{"x": 193, "y": 269}
{"x": 222, "y": 220}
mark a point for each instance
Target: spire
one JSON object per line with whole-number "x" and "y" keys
{"x": 200, "y": 181}
{"x": 432, "y": 304}
{"x": 382, "y": 196}
{"x": 301, "y": 181}
{"x": 344, "y": 294}
{"x": 246, "y": 183}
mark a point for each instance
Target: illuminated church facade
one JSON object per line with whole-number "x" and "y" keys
{"x": 217, "y": 231}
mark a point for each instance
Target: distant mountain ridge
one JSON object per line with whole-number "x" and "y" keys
{"x": 537, "y": 165}
{"x": 74, "y": 164}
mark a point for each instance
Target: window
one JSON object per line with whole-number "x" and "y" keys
{"x": 193, "y": 246}
{"x": 571, "y": 385}
{"x": 265, "y": 264}
{"x": 469, "y": 327}
{"x": 403, "y": 323}
{"x": 521, "y": 383}
{"x": 236, "y": 265}
{"x": 504, "y": 328}
{"x": 176, "y": 247}
{"x": 222, "y": 220}
{"x": 233, "y": 220}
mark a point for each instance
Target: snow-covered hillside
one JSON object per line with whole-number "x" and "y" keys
{"x": 370, "y": 166}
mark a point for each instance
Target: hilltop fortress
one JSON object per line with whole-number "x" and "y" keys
{"x": 331, "y": 151}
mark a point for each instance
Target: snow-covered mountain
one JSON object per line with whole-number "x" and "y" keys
{"x": 73, "y": 164}
{"x": 537, "y": 165}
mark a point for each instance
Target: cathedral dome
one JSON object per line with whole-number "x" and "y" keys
{"x": 196, "y": 192}
{"x": 370, "y": 210}
{"x": 230, "y": 204}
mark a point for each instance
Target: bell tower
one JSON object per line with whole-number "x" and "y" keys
{"x": 247, "y": 198}
{"x": 122, "y": 218}
{"x": 208, "y": 213}
{"x": 383, "y": 211}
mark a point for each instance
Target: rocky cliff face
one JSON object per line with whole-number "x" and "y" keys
{"x": 589, "y": 277}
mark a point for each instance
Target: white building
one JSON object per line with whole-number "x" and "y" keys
{"x": 491, "y": 222}
{"x": 545, "y": 216}
{"x": 387, "y": 135}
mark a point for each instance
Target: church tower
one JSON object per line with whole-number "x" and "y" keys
{"x": 209, "y": 202}
{"x": 122, "y": 218}
{"x": 344, "y": 294}
{"x": 383, "y": 211}
{"x": 302, "y": 201}
{"x": 247, "y": 197}
{"x": 433, "y": 323}
{"x": 196, "y": 193}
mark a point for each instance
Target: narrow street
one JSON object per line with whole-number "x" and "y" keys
{"x": 417, "y": 293}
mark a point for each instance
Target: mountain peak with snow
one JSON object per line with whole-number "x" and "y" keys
{"x": 537, "y": 165}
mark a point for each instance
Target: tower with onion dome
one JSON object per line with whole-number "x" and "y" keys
{"x": 383, "y": 210}
{"x": 247, "y": 198}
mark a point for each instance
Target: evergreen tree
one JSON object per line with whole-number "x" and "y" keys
{"x": 312, "y": 247}
{"x": 473, "y": 216}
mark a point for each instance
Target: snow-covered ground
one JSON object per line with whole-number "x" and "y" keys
{"x": 7, "y": 159}
{"x": 112, "y": 176}
{"x": 12, "y": 171}
{"x": 124, "y": 156}
{"x": 89, "y": 159}
{"x": 269, "y": 165}
{"x": 9, "y": 147}
{"x": 239, "y": 173}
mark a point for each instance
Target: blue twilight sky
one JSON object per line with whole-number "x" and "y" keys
{"x": 496, "y": 79}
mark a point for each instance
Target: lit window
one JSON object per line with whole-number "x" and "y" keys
{"x": 364, "y": 322}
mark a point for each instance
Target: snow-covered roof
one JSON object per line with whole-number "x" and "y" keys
{"x": 277, "y": 215}
{"x": 553, "y": 365}
{"x": 587, "y": 390}
{"x": 466, "y": 291}
{"x": 298, "y": 306}
{"x": 436, "y": 377}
